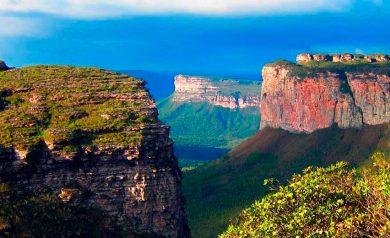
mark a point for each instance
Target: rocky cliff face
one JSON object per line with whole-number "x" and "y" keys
{"x": 93, "y": 138}
{"x": 219, "y": 92}
{"x": 304, "y": 99}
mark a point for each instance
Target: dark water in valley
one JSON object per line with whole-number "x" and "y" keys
{"x": 194, "y": 156}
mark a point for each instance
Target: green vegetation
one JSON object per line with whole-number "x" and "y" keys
{"x": 323, "y": 202}
{"x": 70, "y": 106}
{"x": 42, "y": 215}
{"x": 218, "y": 191}
{"x": 313, "y": 68}
{"x": 202, "y": 124}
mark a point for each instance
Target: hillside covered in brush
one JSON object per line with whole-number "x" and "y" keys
{"x": 323, "y": 202}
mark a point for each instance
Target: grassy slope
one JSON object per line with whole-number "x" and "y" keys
{"x": 201, "y": 124}
{"x": 218, "y": 191}
{"x": 64, "y": 105}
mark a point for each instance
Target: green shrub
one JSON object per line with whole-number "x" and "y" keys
{"x": 323, "y": 202}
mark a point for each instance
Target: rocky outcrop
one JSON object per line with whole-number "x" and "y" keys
{"x": 3, "y": 66}
{"x": 226, "y": 93}
{"x": 341, "y": 58}
{"x": 304, "y": 99}
{"x": 92, "y": 137}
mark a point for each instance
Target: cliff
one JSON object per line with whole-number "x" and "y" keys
{"x": 226, "y": 93}
{"x": 308, "y": 97}
{"x": 91, "y": 137}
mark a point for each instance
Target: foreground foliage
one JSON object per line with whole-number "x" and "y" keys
{"x": 323, "y": 202}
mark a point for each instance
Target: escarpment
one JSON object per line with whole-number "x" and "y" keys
{"x": 226, "y": 93}
{"x": 308, "y": 97}
{"x": 92, "y": 137}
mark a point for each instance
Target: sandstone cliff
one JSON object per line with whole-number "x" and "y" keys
{"x": 93, "y": 138}
{"x": 226, "y": 93}
{"x": 302, "y": 98}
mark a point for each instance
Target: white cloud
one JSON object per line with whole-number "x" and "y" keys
{"x": 113, "y": 8}
{"x": 19, "y": 26}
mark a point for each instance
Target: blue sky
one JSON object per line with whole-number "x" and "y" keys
{"x": 220, "y": 37}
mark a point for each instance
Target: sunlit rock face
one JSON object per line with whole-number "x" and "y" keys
{"x": 226, "y": 93}
{"x": 93, "y": 138}
{"x": 372, "y": 95}
{"x": 304, "y": 99}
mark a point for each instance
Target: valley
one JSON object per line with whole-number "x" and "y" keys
{"x": 298, "y": 130}
{"x": 208, "y": 115}
{"x": 194, "y": 119}
{"x": 228, "y": 136}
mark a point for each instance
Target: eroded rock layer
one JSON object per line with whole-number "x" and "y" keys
{"x": 93, "y": 138}
{"x": 226, "y": 93}
{"x": 342, "y": 58}
{"x": 307, "y": 98}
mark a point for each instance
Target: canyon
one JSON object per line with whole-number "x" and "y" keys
{"x": 227, "y": 93}
{"x": 301, "y": 98}
{"x": 93, "y": 139}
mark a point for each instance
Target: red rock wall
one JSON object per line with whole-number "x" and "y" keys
{"x": 311, "y": 103}
{"x": 372, "y": 95}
